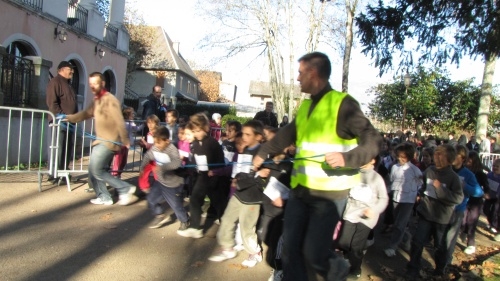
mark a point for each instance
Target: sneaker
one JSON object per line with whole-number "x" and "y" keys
{"x": 223, "y": 255}
{"x": 89, "y": 190}
{"x": 369, "y": 243}
{"x": 252, "y": 260}
{"x": 184, "y": 225}
{"x": 204, "y": 215}
{"x": 99, "y": 201}
{"x": 186, "y": 199}
{"x": 159, "y": 221}
{"x": 191, "y": 232}
{"x": 497, "y": 237}
{"x": 217, "y": 221}
{"x": 493, "y": 230}
{"x": 239, "y": 247}
{"x": 390, "y": 252}
{"x": 470, "y": 250}
{"x": 276, "y": 275}
{"x": 127, "y": 199}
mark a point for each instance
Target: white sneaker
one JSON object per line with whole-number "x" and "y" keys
{"x": 223, "y": 255}
{"x": 493, "y": 230}
{"x": 127, "y": 199}
{"x": 252, "y": 260}
{"x": 99, "y": 201}
{"x": 390, "y": 252}
{"x": 191, "y": 233}
{"x": 470, "y": 250}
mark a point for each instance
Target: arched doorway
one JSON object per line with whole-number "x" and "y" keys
{"x": 76, "y": 84}
{"x": 16, "y": 77}
{"x": 109, "y": 78}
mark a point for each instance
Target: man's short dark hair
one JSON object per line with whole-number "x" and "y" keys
{"x": 320, "y": 62}
{"x": 97, "y": 74}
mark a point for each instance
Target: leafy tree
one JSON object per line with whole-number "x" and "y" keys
{"x": 433, "y": 103}
{"x": 435, "y": 31}
{"x": 210, "y": 84}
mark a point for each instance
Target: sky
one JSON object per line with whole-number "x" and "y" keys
{"x": 181, "y": 23}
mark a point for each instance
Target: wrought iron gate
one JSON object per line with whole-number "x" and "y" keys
{"x": 16, "y": 80}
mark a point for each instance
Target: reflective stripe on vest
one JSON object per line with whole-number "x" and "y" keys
{"x": 317, "y": 135}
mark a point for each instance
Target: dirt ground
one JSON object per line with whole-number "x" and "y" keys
{"x": 59, "y": 235}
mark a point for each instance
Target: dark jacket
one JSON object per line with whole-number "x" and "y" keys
{"x": 153, "y": 106}
{"x": 248, "y": 187}
{"x": 60, "y": 97}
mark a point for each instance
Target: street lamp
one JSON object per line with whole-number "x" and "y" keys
{"x": 407, "y": 82}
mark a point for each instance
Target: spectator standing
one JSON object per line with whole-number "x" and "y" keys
{"x": 61, "y": 99}
{"x": 110, "y": 135}
{"x": 172, "y": 126}
{"x": 484, "y": 145}
{"x": 215, "y": 126}
{"x": 153, "y": 105}
{"x": 330, "y": 124}
{"x": 267, "y": 116}
{"x": 494, "y": 146}
{"x": 284, "y": 122}
{"x": 472, "y": 145}
{"x": 451, "y": 139}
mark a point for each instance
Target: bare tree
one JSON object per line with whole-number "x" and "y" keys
{"x": 350, "y": 7}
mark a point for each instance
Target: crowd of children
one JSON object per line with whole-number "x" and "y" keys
{"x": 443, "y": 185}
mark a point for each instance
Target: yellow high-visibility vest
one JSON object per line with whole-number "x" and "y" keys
{"x": 317, "y": 135}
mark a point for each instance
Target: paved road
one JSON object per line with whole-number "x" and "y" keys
{"x": 59, "y": 235}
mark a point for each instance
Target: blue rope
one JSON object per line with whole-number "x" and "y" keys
{"x": 72, "y": 128}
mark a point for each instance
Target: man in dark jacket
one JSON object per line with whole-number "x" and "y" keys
{"x": 153, "y": 105}
{"x": 267, "y": 116}
{"x": 61, "y": 99}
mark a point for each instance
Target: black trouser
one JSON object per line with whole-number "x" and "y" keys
{"x": 65, "y": 153}
{"x": 352, "y": 241}
{"x": 204, "y": 186}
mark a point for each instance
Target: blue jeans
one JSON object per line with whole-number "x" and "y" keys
{"x": 308, "y": 235}
{"x": 99, "y": 176}
{"x": 452, "y": 233}
{"x": 173, "y": 196}
{"x": 426, "y": 229}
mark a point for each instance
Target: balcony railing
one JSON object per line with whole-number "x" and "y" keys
{"x": 77, "y": 16}
{"x": 33, "y": 4}
{"x": 111, "y": 35}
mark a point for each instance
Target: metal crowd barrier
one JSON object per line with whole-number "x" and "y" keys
{"x": 28, "y": 142}
{"x": 32, "y": 145}
{"x": 488, "y": 158}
